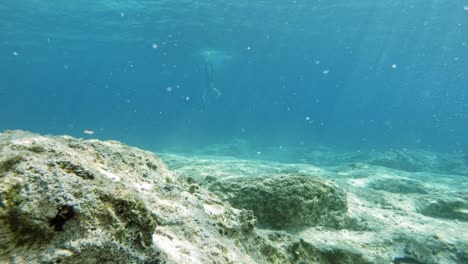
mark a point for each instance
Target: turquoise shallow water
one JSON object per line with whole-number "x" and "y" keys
{"x": 184, "y": 74}
{"x": 369, "y": 96}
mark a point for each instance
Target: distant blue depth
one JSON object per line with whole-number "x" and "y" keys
{"x": 351, "y": 74}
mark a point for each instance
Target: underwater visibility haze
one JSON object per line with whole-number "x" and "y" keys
{"x": 350, "y": 74}
{"x": 275, "y": 131}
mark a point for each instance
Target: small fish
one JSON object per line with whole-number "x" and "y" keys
{"x": 88, "y": 131}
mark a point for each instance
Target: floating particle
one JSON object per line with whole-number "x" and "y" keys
{"x": 122, "y": 14}
{"x": 394, "y": 66}
{"x": 187, "y": 98}
{"x": 15, "y": 53}
{"x": 307, "y": 118}
{"x": 259, "y": 153}
{"x": 317, "y": 62}
{"x": 154, "y": 45}
{"x": 326, "y": 71}
{"x": 465, "y": 8}
{"x": 249, "y": 48}
{"x": 66, "y": 67}
{"x": 169, "y": 89}
{"x": 88, "y": 131}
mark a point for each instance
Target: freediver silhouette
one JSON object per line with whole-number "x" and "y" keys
{"x": 209, "y": 89}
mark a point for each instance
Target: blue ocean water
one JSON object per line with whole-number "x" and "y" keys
{"x": 359, "y": 74}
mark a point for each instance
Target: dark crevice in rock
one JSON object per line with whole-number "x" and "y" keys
{"x": 64, "y": 214}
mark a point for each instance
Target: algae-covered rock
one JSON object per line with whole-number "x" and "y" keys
{"x": 417, "y": 161}
{"x": 306, "y": 252}
{"x": 401, "y": 185}
{"x": 450, "y": 208}
{"x": 283, "y": 201}
{"x": 397, "y": 160}
{"x": 68, "y": 200}
{"x": 392, "y": 216}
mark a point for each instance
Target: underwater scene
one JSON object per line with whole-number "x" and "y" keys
{"x": 217, "y": 131}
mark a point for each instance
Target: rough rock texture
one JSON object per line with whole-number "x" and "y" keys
{"x": 398, "y": 185}
{"x": 393, "y": 216}
{"x": 67, "y": 200}
{"x": 455, "y": 207}
{"x": 86, "y": 201}
{"x": 413, "y": 161}
{"x": 282, "y": 201}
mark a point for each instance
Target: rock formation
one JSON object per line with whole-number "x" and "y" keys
{"x": 69, "y": 200}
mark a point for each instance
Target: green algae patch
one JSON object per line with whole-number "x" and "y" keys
{"x": 285, "y": 200}
{"x": 9, "y": 164}
{"x": 131, "y": 219}
{"x": 76, "y": 169}
{"x": 23, "y": 229}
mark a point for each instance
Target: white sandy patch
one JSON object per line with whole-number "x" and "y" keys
{"x": 214, "y": 210}
{"x": 110, "y": 175}
{"x": 462, "y": 210}
{"x": 178, "y": 251}
{"x": 143, "y": 186}
{"x": 172, "y": 206}
{"x": 359, "y": 182}
{"x": 29, "y": 141}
